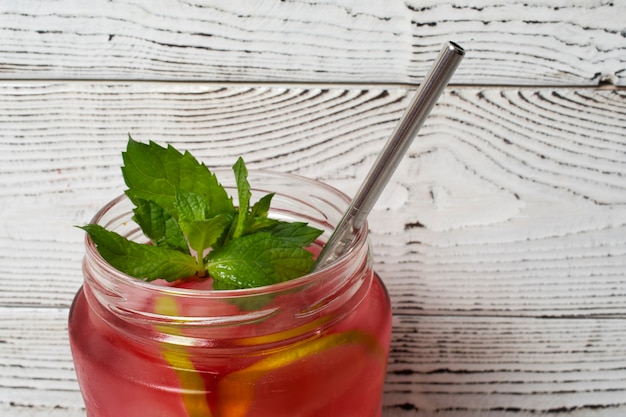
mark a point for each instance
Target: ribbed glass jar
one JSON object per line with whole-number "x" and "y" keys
{"x": 313, "y": 346}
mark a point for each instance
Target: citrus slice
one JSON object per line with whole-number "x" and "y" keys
{"x": 192, "y": 385}
{"x": 236, "y": 391}
{"x": 286, "y": 334}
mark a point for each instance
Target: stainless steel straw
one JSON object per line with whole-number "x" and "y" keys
{"x": 422, "y": 103}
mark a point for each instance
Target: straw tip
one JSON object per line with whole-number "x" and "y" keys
{"x": 455, "y": 47}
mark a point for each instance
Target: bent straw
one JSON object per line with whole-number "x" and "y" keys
{"x": 388, "y": 160}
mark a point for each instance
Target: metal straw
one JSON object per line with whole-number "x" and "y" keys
{"x": 422, "y": 103}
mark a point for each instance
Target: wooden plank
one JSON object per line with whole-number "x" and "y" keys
{"x": 509, "y": 42}
{"x": 451, "y": 366}
{"x": 475, "y": 366}
{"x": 37, "y": 375}
{"x": 511, "y": 201}
{"x": 519, "y": 211}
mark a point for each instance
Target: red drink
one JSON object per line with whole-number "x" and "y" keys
{"x": 313, "y": 346}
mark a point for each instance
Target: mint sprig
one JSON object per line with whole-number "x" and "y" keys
{"x": 194, "y": 228}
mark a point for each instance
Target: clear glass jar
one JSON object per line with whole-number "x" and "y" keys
{"x": 313, "y": 346}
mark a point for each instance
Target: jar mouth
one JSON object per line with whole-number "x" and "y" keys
{"x": 330, "y": 197}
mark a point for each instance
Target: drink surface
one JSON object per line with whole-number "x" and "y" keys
{"x": 333, "y": 366}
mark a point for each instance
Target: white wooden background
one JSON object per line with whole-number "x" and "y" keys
{"x": 502, "y": 237}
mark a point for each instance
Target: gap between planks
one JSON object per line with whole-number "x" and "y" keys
{"x": 312, "y": 85}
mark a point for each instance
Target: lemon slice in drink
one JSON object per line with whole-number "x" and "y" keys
{"x": 236, "y": 391}
{"x": 192, "y": 385}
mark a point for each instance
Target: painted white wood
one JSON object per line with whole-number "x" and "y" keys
{"x": 450, "y": 366}
{"x": 501, "y": 237}
{"x": 498, "y": 366}
{"x": 37, "y": 375}
{"x": 555, "y": 42}
{"x": 511, "y": 201}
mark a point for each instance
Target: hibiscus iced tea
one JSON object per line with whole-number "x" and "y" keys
{"x": 313, "y": 346}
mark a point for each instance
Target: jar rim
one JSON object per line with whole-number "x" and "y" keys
{"x": 360, "y": 240}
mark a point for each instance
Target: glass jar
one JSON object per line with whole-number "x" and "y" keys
{"x": 313, "y": 346}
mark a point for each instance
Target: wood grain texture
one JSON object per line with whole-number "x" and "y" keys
{"x": 556, "y": 42}
{"x": 36, "y": 372}
{"x": 450, "y": 366}
{"x": 511, "y": 201}
{"x": 501, "y": 237}
{"x": 507, "y": 367}
{"x": 521, "y": 211}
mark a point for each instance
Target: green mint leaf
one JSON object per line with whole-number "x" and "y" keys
{"x": 257, "y": 260}
{"x": 201, "y": 231}
{"x": 190, "y": 206}
{"x": 197, "y": 178}
{"x": 159, "y": 226}
{"x": 241, "y": 263}
{"x": 203, "y": 234}
{"x": 258, "y": 220}
{"x": 261, "y": 208}
{"x": 244, "y": 194}
{"x": 151, "y": 172}
{"x": 194, "y": 227}
{"x": 141, "y": 260}
{"x": 297, "y": 233}
{"x": 155, "y": 173}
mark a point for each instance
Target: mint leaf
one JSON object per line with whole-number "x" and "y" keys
{"x": 203, "y": 234}
{"x": 244, "y": 194}
{"x": 201, "y": 231}
{"x": 194, "y": 227}
{"x": 297, "y": 233}
{"x": 257, "y": 260}
{"x": 197, "y": 178}
{"x": 159, "y": 226}
{"x": 140, "y": 260}
{"x": 155, "y": 173}
{"x": 190, "y": 206}
{"x": 151, "y": 173}
{"x": 262, "y": 207}
{"x": 258, "y": 220}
